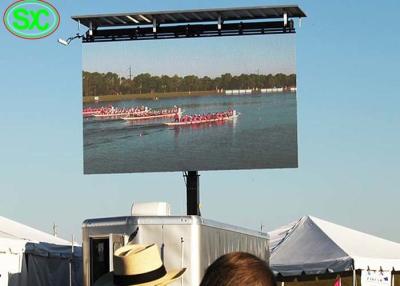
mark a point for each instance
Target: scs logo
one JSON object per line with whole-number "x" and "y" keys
{"x": 31, "y": 19}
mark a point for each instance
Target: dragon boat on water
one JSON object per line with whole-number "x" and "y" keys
{"x": 123, "y": 113}
{"x": 210, "y": 118}
{"x": 89, "y": 112}
{"x": 156, "y": 114}
{"x": 112, "y": 112}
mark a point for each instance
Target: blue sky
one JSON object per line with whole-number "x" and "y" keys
{"x": 202, "y": 57}
{"x": 348, "y": 122}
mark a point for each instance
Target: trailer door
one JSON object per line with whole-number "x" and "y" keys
{"x": 99, "y": 258}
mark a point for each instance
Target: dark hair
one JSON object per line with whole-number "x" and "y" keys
{"x": 238, "y": 268}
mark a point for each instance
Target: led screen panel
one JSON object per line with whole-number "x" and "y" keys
{"x": 193, "y": 104}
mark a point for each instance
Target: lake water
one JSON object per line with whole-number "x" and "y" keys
{"x": 263, "y": 136}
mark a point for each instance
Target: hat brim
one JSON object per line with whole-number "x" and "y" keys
{"x": 171, "y": 276}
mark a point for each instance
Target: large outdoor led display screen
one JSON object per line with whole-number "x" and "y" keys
{"x": 193, "y": 104}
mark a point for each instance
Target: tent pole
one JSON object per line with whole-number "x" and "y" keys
{"x": 354, "y": 278}
{"x": 70, "y": 273}
{"x": 71, "y": 261}
{"x": 393, "y": 278}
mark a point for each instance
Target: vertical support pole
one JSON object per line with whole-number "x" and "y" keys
{"x": 70, "y": 272}
{"x": 182, "y": 256}
{"x": 90, "y": 29}
{"x": 354, "y": 278}
{"x": 71, "y": 262}
{"x": 192, "y": 193}
{"x": 154, "y": 25}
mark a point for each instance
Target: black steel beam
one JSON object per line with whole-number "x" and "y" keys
{"x": 189, "y": 31}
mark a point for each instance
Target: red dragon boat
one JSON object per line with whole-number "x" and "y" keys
{"x": 168, "y": 113}
{"x": 230, "y": 116}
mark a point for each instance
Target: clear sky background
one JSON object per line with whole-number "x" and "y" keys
{"x": 348, "y": 118}
{"x": 202, "y": 57}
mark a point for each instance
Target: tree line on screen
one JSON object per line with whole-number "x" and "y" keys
{"x": 97, "y": 84}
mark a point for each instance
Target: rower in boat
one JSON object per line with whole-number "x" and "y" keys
{"x": 156, "y": 114}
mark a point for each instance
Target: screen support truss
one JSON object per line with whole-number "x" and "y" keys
{"x": 189, "y": 31}
{"x": 184, "y": 24}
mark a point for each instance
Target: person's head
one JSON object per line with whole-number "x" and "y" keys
{"x": 238, "y": 268}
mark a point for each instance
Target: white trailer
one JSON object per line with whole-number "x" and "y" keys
{"x": 185, "y": 241}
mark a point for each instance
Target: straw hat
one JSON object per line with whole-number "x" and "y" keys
{"x": 139, "y": 265}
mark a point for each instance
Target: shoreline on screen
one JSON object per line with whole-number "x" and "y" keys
{"x": 161, "y": 95}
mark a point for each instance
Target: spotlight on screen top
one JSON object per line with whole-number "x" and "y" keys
{"x": 63, "y": 42}
{"x": 69, "y": 40}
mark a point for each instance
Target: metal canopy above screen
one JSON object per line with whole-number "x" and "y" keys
{"x": 190, "y": 23}
{"x": 190, "y": 16}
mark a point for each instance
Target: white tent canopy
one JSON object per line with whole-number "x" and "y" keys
{"x": 32, "y": 257}
{"x": 13, "y": 229}
{"x": 313, "y": 246}
{"x": 30, "y": 240}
